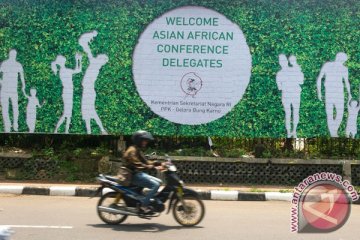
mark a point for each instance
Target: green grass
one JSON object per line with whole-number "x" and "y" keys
{"x": 256, "y": 190}
{"x": 286, "y": 191}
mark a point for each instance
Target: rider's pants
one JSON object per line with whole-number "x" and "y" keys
{"x": 144, "y": 180}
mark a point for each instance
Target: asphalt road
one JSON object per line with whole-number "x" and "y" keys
{"x": 55, "y": 218}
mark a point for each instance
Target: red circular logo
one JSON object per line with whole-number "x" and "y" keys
{"x": 326, "y": 207}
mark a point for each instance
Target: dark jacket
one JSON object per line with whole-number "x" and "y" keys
{"x": 135, "y": 159}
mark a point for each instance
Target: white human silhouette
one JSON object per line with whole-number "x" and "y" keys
{"x": 88, "y": 109}
{"x": 66, "y": 74}
{"x": 353, "y": 111}
{"x": 31, "y": 110}
{"x": 336, "y": 75}
{"x": 11, "y": 71}
{"x": 288, "y": 80}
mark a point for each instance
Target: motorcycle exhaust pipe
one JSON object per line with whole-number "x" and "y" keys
{"x": 116, "y": 211}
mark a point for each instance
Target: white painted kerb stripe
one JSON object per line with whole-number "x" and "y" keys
{"x": 224, "y": 195}
{"x": 277, "y": 196}
{"x": 34, "y": 226}
{"x": 62, "y": 191}
{"x": 11, "y": 189}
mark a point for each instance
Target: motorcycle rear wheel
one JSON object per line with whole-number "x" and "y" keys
{"x": 106, "y": 201}
{"x": 195, "y": 213}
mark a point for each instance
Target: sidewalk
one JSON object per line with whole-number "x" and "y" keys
{"x": 229, "y": 193}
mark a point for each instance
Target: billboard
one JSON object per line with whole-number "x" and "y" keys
{"x": 194, "y": 68}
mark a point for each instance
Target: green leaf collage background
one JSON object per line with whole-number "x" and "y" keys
{"x": 313, "y": 31}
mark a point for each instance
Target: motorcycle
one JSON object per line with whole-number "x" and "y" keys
{"x": 114, "y": 207}
{"x": 5, "y": 233}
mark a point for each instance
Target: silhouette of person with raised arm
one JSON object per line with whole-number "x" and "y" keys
{"x": 336, "y": 75}
{"x": 66, "y": 75}
{"x": 88, "y": 100}
{"x": 289, "y": 81}
{"x": 353, "y": 111}
{"x": 31, "y": 110}
{"x": 11, "y": 71}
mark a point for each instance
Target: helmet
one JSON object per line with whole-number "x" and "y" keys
{"x": 141, "y": 135}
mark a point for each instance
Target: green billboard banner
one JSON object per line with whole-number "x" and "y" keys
{"x": 194, "y": 68}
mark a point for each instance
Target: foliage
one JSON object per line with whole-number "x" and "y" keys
{"x": 235, "y": 153}
{"x": 195, "y": 151}
{"x": 286, "y": 190}
{"x": 256, "y": 190}
{"x": 314, "y": 31}
{"x": 75, "y": 158}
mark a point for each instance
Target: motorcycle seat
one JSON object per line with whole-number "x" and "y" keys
{"x": 115, "y": 179}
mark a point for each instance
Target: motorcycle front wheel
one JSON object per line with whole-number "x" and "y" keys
{"x": 108, "y": 200}
{"x": 190, "y": 215}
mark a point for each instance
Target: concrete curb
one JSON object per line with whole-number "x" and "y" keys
{"x": 11, "y": 189}
{"x": 36, "y": 191}
{"x": 224, "y": 195}
{"x": 219, "y": 195}
{"x": 277, "y": 196}
{"x": 62, "y": 191}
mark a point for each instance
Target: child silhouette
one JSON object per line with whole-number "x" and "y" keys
{"x": 33, "y": 103}
{"x": 351, "y": 125}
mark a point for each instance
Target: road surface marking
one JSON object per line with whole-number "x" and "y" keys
{"x": 35, "y": 226}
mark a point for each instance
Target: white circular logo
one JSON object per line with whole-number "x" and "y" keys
{"x": 191, "y": 65}
{"x": 191, "y": 83}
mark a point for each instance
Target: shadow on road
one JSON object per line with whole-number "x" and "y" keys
{"x": 145, "y": 227}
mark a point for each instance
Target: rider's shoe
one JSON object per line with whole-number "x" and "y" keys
{"x": 146, "y": 209}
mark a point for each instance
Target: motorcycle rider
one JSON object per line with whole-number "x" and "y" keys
{"x": 138, "y": 164}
